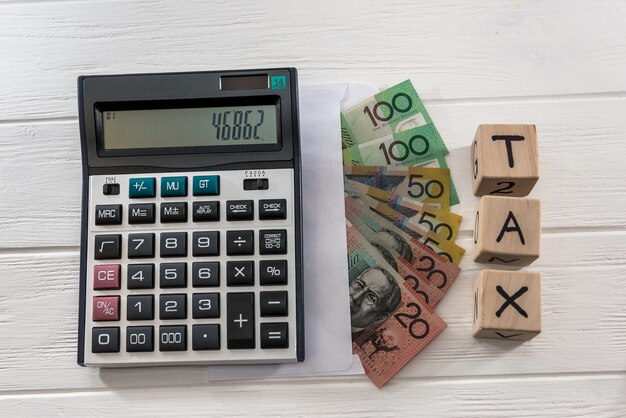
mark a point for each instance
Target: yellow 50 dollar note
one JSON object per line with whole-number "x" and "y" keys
{"x": 423, "y": 184}
{"x": 446, "y": 224}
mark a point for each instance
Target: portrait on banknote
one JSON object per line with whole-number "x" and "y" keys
{"x": 374, "y": 296}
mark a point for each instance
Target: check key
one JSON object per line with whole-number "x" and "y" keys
{"x": 272, "y": 209}
{"x": 239, "y": 210}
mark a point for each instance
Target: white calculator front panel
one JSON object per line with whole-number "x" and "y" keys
{"x": 100, "y": 298}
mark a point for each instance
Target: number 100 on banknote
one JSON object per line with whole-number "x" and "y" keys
{"x": 390, "y": 128}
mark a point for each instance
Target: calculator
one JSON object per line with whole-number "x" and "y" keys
{"x": 191, "y": 240}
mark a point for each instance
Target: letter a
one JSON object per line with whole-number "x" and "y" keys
{"x": 507, "y": 228}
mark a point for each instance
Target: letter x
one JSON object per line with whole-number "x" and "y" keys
{"x": 510, "y": 300}
{"x": 239, "y": 271}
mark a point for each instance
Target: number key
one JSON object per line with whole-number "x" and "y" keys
{"x": 174, "y": 244}
{"x": 206, "y": 305}
{"x": 140, "y": 245}
{"x": 206, "y": 243}
{"x": 173, "y": 306}
{"x": 140, "y": 276}
{"x": 139, "y": 307}
{"x": 206, "y": 274}
{"x": 105, "y": 340}
{"x": 173, "y": 338}
{"x": 173, "y": 275}
{"x": 139, "y": 339}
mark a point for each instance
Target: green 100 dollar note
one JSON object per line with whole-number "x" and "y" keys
{"x": 393, "y": 110}
{"x": 411, "y": 147}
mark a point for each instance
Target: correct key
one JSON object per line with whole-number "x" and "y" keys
{"x": 240, "y": 320}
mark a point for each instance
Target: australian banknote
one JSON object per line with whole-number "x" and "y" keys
{"x": 390, "y": 326}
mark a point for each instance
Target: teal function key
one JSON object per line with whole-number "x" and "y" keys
{"x": 206, "y": 185}
{"x": 173, "y": 186}
{"x": 142, "y": 187}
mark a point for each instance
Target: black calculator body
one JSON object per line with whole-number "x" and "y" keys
{"x": 191, "y": 239}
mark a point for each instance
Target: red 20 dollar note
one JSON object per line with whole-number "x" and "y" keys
{"x": 390, "y": 325}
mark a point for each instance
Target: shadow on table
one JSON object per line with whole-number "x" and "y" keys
{"x": 134, "y": 377}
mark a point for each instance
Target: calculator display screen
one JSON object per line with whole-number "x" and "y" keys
{"x": 189, "y": 127}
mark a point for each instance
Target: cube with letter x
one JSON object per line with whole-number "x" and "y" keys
{"x": 507, "y": 305}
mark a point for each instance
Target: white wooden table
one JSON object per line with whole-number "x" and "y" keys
{"x": 558, "y": 64}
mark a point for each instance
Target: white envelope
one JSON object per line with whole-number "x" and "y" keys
{"x": 328, "y": 344}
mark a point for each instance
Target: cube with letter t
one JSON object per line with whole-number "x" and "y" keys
{"x": 507, "y": 230}
{"x": 505, "y": 160}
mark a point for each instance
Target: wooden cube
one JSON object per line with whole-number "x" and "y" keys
{"x": 507, "y": 305}
{"x": 507, "y": 230}
{"x": 505, "y": 160}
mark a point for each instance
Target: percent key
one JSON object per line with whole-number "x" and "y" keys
{"x": 273, "y": 272}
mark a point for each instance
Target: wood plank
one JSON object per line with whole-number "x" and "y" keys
{"x": 584, "y": 329}
{"x": 452, "y": 49}
{"x": 589, "y": 396}
{"x": 40, "y": 168}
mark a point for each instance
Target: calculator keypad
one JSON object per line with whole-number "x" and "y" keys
{"x": 180, "y": 281}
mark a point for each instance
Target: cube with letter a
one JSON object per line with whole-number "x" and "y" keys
{"x": 507, "y": 230}
{"x": 505, "y": 160}
{"x": 507, "y": 305}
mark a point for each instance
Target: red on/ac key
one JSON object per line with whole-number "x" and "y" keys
{"x": 106, "y": 308}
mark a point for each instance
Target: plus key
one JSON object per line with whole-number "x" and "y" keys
{"x": 240, "y": 320}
